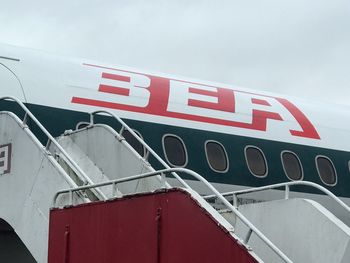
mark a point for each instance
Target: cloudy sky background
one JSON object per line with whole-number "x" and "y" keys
{"x": 295, "y": 47}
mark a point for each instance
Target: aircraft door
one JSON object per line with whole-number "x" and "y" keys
{"x": 10, "y": 84}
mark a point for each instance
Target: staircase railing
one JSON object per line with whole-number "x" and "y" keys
{"x": 28, "y": 115}
{"x": 140, "y": 140}
{"x": 286, "y": 186}
{"x": 114, "y": 183}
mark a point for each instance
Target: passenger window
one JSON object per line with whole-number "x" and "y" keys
{"x": 326, "y": 170}
{"x": 256, "y": 161}
{"x": 175, "y": 150}
{"x": 216, "y": 156}
{"x": 292, "y": 166}
{"x": 134, "y": 142}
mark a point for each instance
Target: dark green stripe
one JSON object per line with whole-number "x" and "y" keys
{"x": 58, "y": 120}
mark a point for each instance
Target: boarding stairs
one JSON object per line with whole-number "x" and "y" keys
{"x": 124, "y": 172}
{"x": 300, "y": 227}
{"x": 96, "y": 163}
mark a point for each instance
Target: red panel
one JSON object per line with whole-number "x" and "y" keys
{"x": 164, "y": 227}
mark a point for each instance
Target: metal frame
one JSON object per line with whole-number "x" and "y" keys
{"x": 80, "y": 173}
{"x": 183, "y": 145}
{"x": 299, "y": 162}
{"x": 217, "y": 194}
{"x": 265, "y": 160}
{"x": 333, "y": 166}
{"x": 225, "y": 153}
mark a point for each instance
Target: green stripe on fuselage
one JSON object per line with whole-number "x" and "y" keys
{"x": 58, "y": 120}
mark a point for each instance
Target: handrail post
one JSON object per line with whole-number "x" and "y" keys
{"x": 48, "y": 144}
{"x": 121, "y": 130}
{"x": 71, "y": 197}
{"x": 247, "y": 237}
{"x": 286, "y": 192}
{"x": 114, "y": 189}
{"x": 146, "y": 156}
{"x": 163, "y": 181}
{"x": 25, "y": 119}
{"x": 235, "y": 200}
{"x": 92, "y": 115}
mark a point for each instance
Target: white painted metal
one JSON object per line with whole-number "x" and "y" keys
{"x": 25, "y": 190}
{"x": 144, "y": 144}
{"x": 104, "y": 155}
{"x": 51, "y": 140}
{"x": 304, "y": 230}
{"x": 81, "y": 159}
{"x": 287, "y": 191}
{"x": 328, "y": 199}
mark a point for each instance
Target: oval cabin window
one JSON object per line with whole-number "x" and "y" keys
{"x": 326, "y": 170}
{"x": 256, "y": 161}
{"x": 175, "y": 150}
{"x": 292, "y": 166}
{"x": 216, "y": 156}
{"x": 134, "y": 143}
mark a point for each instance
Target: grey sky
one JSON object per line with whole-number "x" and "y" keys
{"x": 295, "y": 47}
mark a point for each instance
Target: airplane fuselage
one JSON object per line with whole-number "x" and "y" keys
{"x": 229, "y": 135}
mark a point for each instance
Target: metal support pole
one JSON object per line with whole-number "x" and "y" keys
{"x": 71, "y": 197}
{"x": 162, "y": 175}
{"x": 115, "y": 190}
{"x": 146, "y": 156}
{"x": 25, "y": 119}
{"x": 92, "y": 117}
{"x": 235, "y": 201}
{"x": 121, "y": 131}
{"x": 48, "y": 144}
{"x": 247, "y": 237}
{"x": 286, "y": 193}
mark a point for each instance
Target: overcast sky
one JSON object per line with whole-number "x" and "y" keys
{"x": 295, "y": 47}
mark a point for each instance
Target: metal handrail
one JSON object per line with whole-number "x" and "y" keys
{"x": 51, "y": 139}
{"x": 287, "y": 186}
{"x": 140, "y": 140}
{"x": 234, "y": 210}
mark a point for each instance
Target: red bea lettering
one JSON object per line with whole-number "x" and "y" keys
{"x": 225, "y": 99}
{"x": 156, "y": 92}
